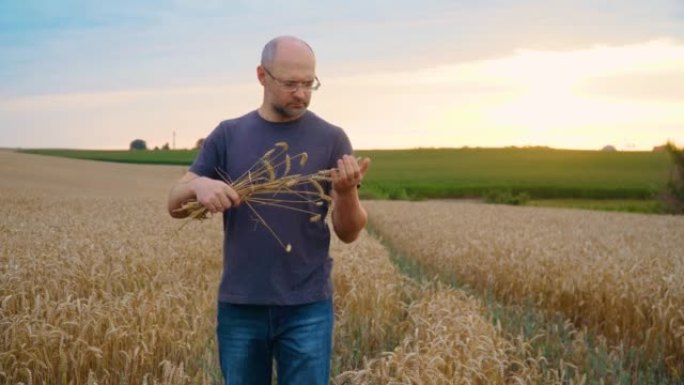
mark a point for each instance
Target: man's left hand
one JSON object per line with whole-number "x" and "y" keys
{"x": 349, "y": 174}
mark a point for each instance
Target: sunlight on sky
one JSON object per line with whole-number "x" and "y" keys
{"x": 530, "y": 98}
{"x": 405, "y": 76}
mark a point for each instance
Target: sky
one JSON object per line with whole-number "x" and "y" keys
{"x": 395, "y": 74}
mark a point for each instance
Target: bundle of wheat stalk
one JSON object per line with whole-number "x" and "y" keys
{"x": 262, "y": 184}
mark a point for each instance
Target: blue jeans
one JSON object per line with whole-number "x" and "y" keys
{"x": 299, "y": 338}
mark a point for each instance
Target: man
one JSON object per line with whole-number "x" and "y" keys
{"x": 275, "y": 304}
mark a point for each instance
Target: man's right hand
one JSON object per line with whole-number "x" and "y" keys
{"x": 215, "y": 195}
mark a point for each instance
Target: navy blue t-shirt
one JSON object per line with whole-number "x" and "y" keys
{"x": 256, "y": 267}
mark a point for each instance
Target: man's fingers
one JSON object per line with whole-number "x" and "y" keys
{"x": 217, "y": 196}
{"x": 232, "y": 195}
{"x": 349, "y": 173}
{"x": 349, "y": 167}
{"x": 334, "y": 174}
{"x": 224, "y": 203}
{"x": 364, "y": 164}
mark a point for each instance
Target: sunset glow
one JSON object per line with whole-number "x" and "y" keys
{"x": 443, "y": 82}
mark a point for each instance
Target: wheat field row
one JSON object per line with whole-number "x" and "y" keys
{"x": 97, "y": 286}
{"x": 617, "y": 274}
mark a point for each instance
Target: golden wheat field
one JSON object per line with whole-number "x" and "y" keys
{"x": 98, "y": 285}
{"x": 619, "y": 274}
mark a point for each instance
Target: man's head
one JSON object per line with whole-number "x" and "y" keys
{"x": 288, "y": 73}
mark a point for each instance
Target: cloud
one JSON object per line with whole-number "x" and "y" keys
{"x": 530, "y": 97}
{"x": 81, "y": 46}
{"x": 113, "y": 119}
{"x": 654, "y": 87}
{"x": 395, "y": 73}
{"x": 652, "y": 72}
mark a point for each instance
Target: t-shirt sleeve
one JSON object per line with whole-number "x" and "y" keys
{"x": 342, "y": 147}
{"x": 209, "y": 157}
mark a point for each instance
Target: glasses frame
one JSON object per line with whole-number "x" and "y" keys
{"x": 285, "y": 87}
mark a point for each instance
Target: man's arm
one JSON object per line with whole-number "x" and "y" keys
{"x": 348, "y": 216}
{"x": 213, "y": 194}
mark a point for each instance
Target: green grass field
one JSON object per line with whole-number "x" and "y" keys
{"x": 540, "y": 172}
{"x": 178, "y": 157}
{"x": 562, "y": 175}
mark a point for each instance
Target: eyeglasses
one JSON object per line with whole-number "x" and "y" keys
{"x": 293, "y": 86}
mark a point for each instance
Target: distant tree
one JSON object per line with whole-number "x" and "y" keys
{"x": 156, "y": 148}
{"x": 138, "y": 144}
{"x": 165, "y": 146}
{"x": 609, "y": 148}
{"x": 199, "y": 144}
{"x": 674, "y": 197}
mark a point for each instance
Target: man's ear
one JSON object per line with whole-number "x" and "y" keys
{"x": 261, "y": 75}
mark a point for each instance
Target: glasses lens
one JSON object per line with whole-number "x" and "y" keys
{"x": 289, "y": 86}
{"x": 293, "y": 86}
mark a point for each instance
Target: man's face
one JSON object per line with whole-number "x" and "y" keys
{"x": 286, "y": 80}
{"x": 286, "y": 102}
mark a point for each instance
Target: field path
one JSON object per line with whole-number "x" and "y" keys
{"x": 619, "y": 274}
{"x": 91, "y": 267}
{"x": 96, "y": 285}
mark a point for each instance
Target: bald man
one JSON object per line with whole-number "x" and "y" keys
{"x": 275, "y": 304}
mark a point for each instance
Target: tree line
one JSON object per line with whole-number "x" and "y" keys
{"x": 140, "y": 144}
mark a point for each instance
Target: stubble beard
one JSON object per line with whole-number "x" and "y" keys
{"x": 289, "y": 113}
